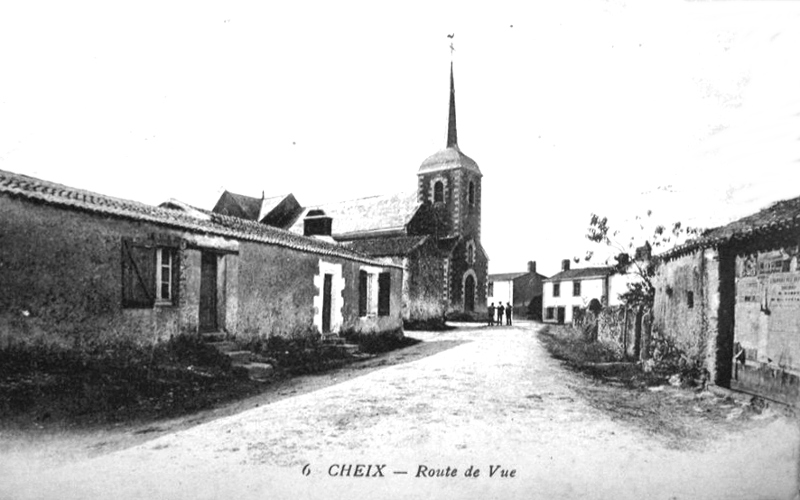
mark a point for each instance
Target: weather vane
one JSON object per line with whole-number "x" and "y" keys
{"x": 452, "y": 49}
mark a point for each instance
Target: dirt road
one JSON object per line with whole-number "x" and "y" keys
{"x": 498, "y": 404}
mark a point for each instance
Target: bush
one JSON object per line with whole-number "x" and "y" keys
{"x": 569, "y": 344}
{"x": 466, "y": 316}
{"x": 298, "y": 353}
{"x": 112, "y": 381}
{"x": 376, "y": 343}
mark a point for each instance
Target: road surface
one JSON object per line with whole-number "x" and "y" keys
{"x": 497, "y": 404}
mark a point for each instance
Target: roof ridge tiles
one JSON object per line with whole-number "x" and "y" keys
{"x": 234, "y": 227}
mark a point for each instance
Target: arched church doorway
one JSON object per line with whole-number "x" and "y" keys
{"x": 469, "y": 294}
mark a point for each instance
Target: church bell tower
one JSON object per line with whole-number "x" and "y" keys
{"x": 451, "y": 182}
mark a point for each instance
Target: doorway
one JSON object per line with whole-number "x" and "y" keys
{"x": 208, "y": 293}
{"x": 326, "y": 303}
{"x": 562, "y": 313}
{"x": 469, "y": 294}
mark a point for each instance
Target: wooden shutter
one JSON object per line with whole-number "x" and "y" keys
{"x": 384, "y": 293}
{"x": 362, "y": 293}
{"x": 176, "y": 274}
{"x": 138, "y": 275}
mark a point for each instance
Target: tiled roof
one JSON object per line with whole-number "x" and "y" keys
{"x": 448, "y": 158}
{"x": 221, "y": 225}
{"x": 582, "y": 273}
{"x": 513, "y": 276}
{"x": 505, "y": 276}
{"x": 778, "y": 216}
{"x": 375, "y": 214}
{"x": 387, "y": 246}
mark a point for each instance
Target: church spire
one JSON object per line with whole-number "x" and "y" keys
{"x": 452, "y": 134}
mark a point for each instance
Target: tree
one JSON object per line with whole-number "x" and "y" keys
{"x": 634, "y": 254}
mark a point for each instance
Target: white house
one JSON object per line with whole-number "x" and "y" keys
{"x": 572, "y": 289}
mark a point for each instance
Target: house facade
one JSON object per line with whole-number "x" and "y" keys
{"x": 573, "y": 289}
{"x": 434, "y": 233}
{"x": 732, "y": 300}
{"x": 522, "y": 290}
{"x": 79, "y": 266}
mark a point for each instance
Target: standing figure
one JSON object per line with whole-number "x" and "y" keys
{"x": 490, "y": 310}
{"x": 500, "y": 310}
{"x": 508, "y": 313}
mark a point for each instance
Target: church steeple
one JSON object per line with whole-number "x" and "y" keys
{"x": 452, "y": 133}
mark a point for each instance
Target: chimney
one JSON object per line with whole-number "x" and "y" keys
{"x": 532, "y": 266}
{"x": 316, "y": 223}
{"x": 565, "y": 265}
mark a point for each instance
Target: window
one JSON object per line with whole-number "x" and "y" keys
{"x": 576, "y": 288}
{"x": 491, "y": 289}
{"x": 149, "y": 274}
{"x": 470, "y": 252}
{"x": 471, "y": 195}
{"x": 438, "y": 192}
{"x": 576, "y": 312}
{"x": 556, "y": 289}
{"x": 164, "y": 274}
{"x": 549, "y": 312}
{"x": 690, "y": 299}
{"x": 374, "y": 293}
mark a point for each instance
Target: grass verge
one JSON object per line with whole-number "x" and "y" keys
{"x": 679, "y": 417}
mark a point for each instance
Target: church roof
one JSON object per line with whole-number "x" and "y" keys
{"x": 385, "y": 214}
{"x": 387, "y": 245}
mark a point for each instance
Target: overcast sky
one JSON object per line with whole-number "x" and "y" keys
{"x": 690, "y": 109}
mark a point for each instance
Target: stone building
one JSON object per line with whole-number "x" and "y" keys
{"x": 78, "y": 266}
{"x": 522, "y": 290}
{"x": 731, "y": 299}
{"x": 434, "y": 233}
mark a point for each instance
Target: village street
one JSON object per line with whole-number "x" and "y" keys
{"x": 496, "y": 399}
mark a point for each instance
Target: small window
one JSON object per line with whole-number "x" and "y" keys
{"x": 471, "y": 195}
{"x": 549, "y": 312}
{"x": 438, "y": 192}
{"x": 164, "y": 264}
{"x": 576, "y": 288}
{"x": 690, "y": 299}
{"x": 491, "y": 289}
{"x": 576, "y": 312}
{"x": 374, "y": 294}
{"x": 470, "y": 253}
{"x": 556, "y": 289}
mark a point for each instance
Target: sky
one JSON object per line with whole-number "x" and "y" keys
{"x": 688, "y": 109}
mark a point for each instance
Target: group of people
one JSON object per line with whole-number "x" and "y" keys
{"x": 500, "y": 310}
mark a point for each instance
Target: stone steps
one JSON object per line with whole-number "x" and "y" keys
{"x": 261, "y": 372}
{"x": 247, "y": 362}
